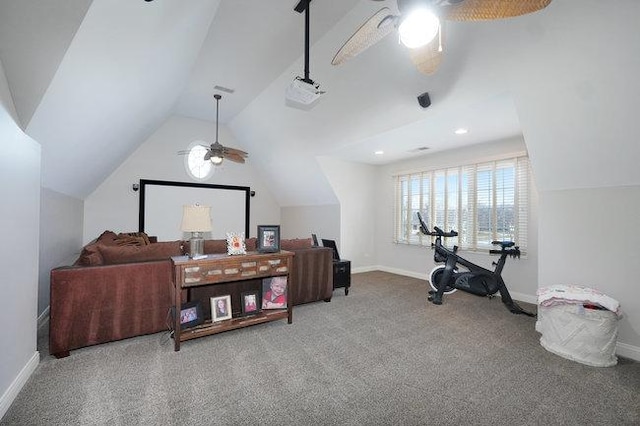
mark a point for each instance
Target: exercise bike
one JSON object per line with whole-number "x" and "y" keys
{"x": 447, "y": 278}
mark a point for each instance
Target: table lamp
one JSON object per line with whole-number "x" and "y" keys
{"x": 196, "y": 219}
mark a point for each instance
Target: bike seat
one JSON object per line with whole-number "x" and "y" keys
{"x": 503, "y": 244}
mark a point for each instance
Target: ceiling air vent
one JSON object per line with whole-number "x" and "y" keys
{"x": 419, "y": 149}
{"x": 224, "y": 89}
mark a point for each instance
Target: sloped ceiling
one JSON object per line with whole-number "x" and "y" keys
{"x": 92, "y": 80}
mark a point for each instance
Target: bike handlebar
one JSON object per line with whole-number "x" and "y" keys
{"x": 441, "y": 233}
{"x": 437, "y": 231}
{"x": 513, "y": 252}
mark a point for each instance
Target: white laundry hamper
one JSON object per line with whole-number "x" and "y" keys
{"x": 576, "y": 323}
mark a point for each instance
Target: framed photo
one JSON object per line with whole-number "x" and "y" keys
{"x": 274, "y": 293}
{"x": 220, "y": 308}
{"x": 250, "y": 300}
{"x": 235, "y": 243}
{"x": 268, "y": 238}
{"x": 191, "y": 314}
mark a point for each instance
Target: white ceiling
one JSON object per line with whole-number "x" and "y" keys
{"x": 139, "y": 62}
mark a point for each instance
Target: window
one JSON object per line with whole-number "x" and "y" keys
{"x": 197, "y": 167}
{"x": 484, "y": 202}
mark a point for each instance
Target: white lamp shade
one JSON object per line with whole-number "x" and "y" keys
{"x": 196, "y": 218}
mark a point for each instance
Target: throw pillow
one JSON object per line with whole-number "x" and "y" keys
{"x": 125, "y": 254}
{"x": 140, "y": 236}
{"x": 107, "y": 238}
{"x": 90, "y": 255}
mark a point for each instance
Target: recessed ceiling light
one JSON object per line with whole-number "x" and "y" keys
{"x": 460, "y": 131}
{"x": 379, "y": 152}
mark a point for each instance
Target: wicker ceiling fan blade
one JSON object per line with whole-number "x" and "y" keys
{"x": 483, "y": 10}
{"x": 235, "y": 151}
{"x": 427, "y": 58}
{"x": 371, "y": 32}
{"x": 234, "y": 157}
{"x": 207, "y": 156}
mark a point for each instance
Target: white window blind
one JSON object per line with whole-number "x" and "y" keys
{"x": 483, "y": 202}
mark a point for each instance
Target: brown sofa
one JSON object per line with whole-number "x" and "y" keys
{"x": 120, "y": 287}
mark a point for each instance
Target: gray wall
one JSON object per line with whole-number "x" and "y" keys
{"x": 60, "y": 237}
{"x": 590, "y": 237}
{"x": 353, "y": 185}
{"x": 302, "y": 221}
{"x": 19, "y": 227}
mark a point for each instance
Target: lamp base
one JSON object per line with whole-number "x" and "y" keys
{"x": 196, "y": 246}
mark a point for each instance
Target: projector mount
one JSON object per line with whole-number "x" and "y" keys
{"x": 304, "y": 90}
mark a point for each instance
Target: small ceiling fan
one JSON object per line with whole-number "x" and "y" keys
{"x": 419, "y": 24}
{"x": 217, "y": 152}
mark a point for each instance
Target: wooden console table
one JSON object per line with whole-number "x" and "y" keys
{"x": 222, "y": 268}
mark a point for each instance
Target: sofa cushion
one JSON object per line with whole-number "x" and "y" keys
{"x": 126, "y": 240}
{"x": 296, "y": 243}
{"x": 215, "y": 246}
{"x": 126, "y": 254}
{"x": 220, "y": 246}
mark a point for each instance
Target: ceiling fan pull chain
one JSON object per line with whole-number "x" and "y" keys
{"x": 440, "y": 37}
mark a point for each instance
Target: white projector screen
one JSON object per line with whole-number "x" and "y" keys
{"x": 161, "y": 208}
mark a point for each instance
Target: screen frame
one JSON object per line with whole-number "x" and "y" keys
{"x": 145, "y": 182}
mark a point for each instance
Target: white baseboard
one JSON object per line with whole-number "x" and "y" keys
{"x": 364, "y": 269}
{"x": 16, "y": 386}
{"x": 628, "y": 351}
{"x": 396, "y": 271}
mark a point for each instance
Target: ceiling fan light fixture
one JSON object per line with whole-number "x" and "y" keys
{"x": 216, "y": 160}
{"x": 419, "y": 28}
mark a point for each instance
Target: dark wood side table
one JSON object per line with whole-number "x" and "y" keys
{"x": 342, "y": 275}
{"x": 221, "y": 268}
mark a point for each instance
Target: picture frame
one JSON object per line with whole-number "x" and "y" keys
{"x": 236, "y": 243}
{"x": 221, "y": 308}
{"x": 191, "y": 314}
{"x": 274, "y": 292}
{"x": 268, "y": 240}
{"x": 250, "y": 302}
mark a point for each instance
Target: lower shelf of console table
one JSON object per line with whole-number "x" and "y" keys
{"x": 209, "y": 328}
{"x": 219, "y": 269}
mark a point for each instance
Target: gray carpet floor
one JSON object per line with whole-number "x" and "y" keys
{"x": 382, "y": 355}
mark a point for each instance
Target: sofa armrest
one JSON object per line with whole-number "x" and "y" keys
{"x": 97, "y": 304}
{"x": 312, "y": 275}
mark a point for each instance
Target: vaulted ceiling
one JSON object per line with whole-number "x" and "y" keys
{"x": 92, "y": 80}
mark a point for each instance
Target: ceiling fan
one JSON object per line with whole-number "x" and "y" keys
{"x": 419, "y": 24}
{"x": 217, "y": 152}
